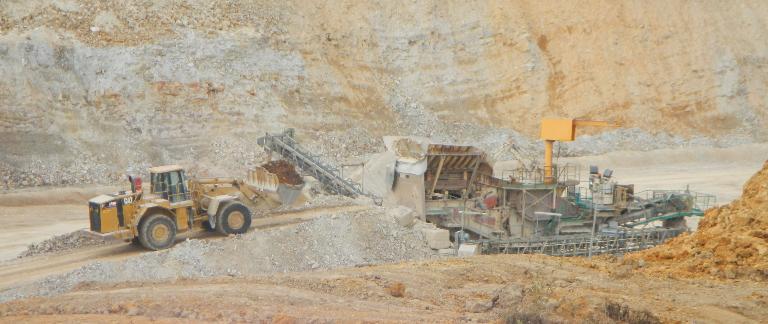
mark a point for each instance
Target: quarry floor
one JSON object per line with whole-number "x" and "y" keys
{"x": 438, "y": 291}
{"x": 435, "y": 291}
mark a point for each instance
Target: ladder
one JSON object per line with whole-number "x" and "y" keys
{"x": 286, "y": 146}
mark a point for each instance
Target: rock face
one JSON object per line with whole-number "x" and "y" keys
{"x": 92, "y": 89}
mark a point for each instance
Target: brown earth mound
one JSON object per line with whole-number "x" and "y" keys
{"x": 285, "y": 172}
{"x": 731, "y": 242}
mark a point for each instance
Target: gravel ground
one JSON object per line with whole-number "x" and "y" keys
{"x": 338, "y": 240}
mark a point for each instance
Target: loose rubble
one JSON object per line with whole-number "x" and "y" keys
{"x": 731, "y": 241}
{"x": 365, "y": 237}
{"x": 65, "y": 242}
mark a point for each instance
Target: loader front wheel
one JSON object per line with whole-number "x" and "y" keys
{"x": 234, "y": 219}
{"x": 157, "y": 232}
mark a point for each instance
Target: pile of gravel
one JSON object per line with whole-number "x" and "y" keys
{"x": 339, "y": 146}
{"x": 74, "y": 240}
{"x": 345, "y": 239}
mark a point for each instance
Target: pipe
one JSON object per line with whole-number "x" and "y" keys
{"x": 548, "y": 178}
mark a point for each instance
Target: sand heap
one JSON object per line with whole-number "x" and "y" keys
{"x": 731, "y": 242}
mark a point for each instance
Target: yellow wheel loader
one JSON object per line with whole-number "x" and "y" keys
{"x": 175, "y": 204}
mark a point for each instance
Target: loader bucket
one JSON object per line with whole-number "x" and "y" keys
{"x": 262, "y": 180}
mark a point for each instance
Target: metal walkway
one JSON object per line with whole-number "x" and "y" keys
{"x": 330, "y": 176}
{"x": 619, "y": 242}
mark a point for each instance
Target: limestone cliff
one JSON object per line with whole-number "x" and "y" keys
{"x": 91, "y": 89}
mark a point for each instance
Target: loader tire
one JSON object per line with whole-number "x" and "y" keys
{"x": 235, "y": 218}
{"x": 157, "y": 232}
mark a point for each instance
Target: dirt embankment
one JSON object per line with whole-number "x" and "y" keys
{"x": 731, "y": 242}
{"x": 531, "y": 289}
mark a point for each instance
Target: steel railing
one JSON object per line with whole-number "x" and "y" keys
{"x": 562, "y": 173}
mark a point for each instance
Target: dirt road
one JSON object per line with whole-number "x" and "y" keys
{"x": 482, "y": 288}
{"x": 35, "y": 214}
{"x": 30, "y": 224}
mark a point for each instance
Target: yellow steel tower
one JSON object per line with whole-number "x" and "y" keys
{"x": 563, "y": 130}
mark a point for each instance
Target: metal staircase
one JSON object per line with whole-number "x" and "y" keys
{"x": 310, "y": 163}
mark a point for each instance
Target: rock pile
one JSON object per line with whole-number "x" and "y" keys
{"x": 64, "y": 242}
{"x": 731, "y": 241}
{"x": 358, "y": 238}
{"x": 340, "y": 146}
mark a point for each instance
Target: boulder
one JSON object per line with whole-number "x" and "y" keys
{"x": 437, "y": 238}
{"x": 466, "y": 250}
{"x": 403, "y": 215}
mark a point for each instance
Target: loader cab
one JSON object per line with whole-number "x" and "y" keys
{"x": 169, "y": 182}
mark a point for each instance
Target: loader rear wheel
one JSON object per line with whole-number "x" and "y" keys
{"x": 157, "y": 232}
{"x": 235, "y": 218}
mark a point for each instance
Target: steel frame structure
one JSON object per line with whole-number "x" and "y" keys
{"x": 330, "y": 176}
{"x": 619, "y": 242}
